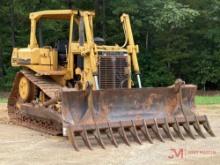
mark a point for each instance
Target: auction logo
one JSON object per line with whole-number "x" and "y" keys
{"x": 181, "y": 153}
{"x": 176, "y": 153}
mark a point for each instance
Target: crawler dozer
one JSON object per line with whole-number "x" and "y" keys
{"x": 83, "y": 89}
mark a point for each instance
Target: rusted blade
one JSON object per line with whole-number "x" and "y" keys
{"x": 177, "y": 129}
{"x": 197, "y": 127}
{"x": 134, "y": 132}
{"x": 207, "y": 127}
{"x": 123, "y": 104}
{"x": 146, "y": 132}
{"x": 156, "y": 130}
{"x": 85, "y": 138}
{"x": 166, "y": 129}
{"x": 132, "y": 110}
{"x": 123, "y": 134}
{"x": 71, "y": 137}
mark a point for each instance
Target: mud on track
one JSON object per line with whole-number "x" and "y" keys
{"x": 23, "y": 146}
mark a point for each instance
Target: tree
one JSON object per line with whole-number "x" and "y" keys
{"x": 182, "y": 37}
{"x": 12, "y": 22}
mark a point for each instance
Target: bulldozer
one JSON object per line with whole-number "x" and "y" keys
{"x": 83, "y": 89}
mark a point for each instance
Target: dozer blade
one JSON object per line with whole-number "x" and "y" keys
{"x": 151, "y": 112}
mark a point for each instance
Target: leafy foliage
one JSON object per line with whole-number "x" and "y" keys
{"x": 177, "y": 39}
{"x": 171, "y": 14}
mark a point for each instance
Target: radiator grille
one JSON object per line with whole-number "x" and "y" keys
{"x": 113, "y": 71}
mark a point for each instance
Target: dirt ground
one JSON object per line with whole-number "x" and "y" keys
{"x": 23, "y": 146}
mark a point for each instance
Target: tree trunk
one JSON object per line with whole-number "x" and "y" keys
{"x": 147, "y": 41}
{"x": 97, "y": 4}
{"x": 40, "y": 35}
{"x": 39, "y": 26}
{"x": 12, "y": 22}
{"x": 100, "y": 7}
{"x": 1, "y": 61}
{"x": 204, "y": 87}
{"x": 98, "y": 24}
{"x": 103, "y": 20}
{"x": 70, "y": 6}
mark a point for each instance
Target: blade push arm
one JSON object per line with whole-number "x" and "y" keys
{"x": 132, "y": 48}
{"x": 87, "y": 18}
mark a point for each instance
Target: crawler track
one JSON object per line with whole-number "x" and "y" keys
{"x": 50, "y": 88}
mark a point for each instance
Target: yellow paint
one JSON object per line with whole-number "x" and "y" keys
{"x": 41, "y": 97}
{"x": 24, "y": 88}
{"x": 132, "y": 48}
{"x": 44, "y": 61}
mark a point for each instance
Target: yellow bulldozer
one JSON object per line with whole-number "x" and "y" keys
{"x": 83, "y": 89}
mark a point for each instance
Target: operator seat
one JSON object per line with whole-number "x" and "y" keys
{"x": 62, "y": 49}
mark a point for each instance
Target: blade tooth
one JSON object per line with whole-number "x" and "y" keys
{"x": 112, "y": 135}
{"x": 197, "y": 127}
{"x": 123, "y": 134}
{"x": 85, "y": 138}
{"x": 97, "y": 135}
{"x": 187, "y": 128}
{"x": 176, "y": 128}
{"x": 146, "y": 132}
{"x": 71, "y": 137}
{"x": 207, "y": 127}
{"x": 156, "y": 130}
{"x": 134, "y": 132}
{"x": 166, "y": 129}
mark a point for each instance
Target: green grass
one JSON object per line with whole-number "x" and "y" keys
{"x": 207, "y": 100}
{"x": 3, "y": 100}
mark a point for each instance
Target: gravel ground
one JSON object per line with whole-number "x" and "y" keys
{"x": 23, "y": 146}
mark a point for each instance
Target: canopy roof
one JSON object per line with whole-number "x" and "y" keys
{"x": 53, "y": 14}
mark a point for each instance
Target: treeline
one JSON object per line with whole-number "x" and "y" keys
{"x": 177, "y": 39}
